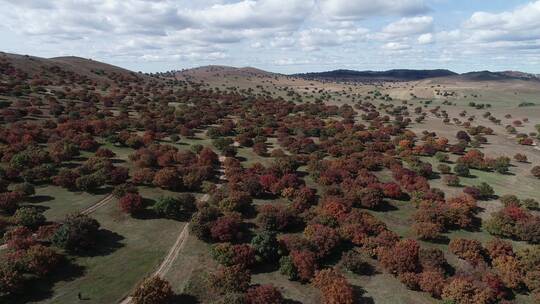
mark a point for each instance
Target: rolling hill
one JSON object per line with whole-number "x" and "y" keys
{"x": 505, "y": 75}
{"x": 62, "y": 67}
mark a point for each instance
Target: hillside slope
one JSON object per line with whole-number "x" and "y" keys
{"x": 66, "y": 67}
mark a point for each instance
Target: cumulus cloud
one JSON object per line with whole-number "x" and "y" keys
{"x": 283, "y": 42}
{"x": 317, "y": 37}
{"x": 521, "y": 24}
{"x": 425, "y": 38}
{"x": 359, "y": 9}
{"x": 82, "y": 18}
{"x": 409, "y": 26}
{"x": 291, "y": 61}
{"x": 395, "y": 46}
{"x": 256, "y": 14}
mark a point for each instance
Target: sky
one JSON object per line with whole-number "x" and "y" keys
{"x": 285, "y": 36}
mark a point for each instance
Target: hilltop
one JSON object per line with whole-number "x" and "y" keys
{"x": 59, "y": 68}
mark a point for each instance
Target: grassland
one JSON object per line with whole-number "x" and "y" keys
{"x": 130, "y": 250}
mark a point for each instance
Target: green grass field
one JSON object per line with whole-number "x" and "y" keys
{"x": 132, "y": 249}
{"x": 58, "y": 202}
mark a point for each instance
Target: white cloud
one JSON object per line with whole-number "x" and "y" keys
{"x": 358, "y": 9}
{"x": 283, "y": 42}
{"x": 521, "y": 24}
{"x": 395, "y": 46}
{"x": 256, "y": 14}
{"x": 409, "y": 26}
{"x": 256, "y": 45}
{"x": 335, "y": 33}
{"x": 448, "y": 36}
{"x": 83, "y": 18}
{"x": 318, "y": 37}
{"x": 291, "y": 61}
{"x": 425, "y": 38}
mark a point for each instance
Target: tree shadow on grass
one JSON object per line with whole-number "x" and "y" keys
{"x": 118, "y": 161}
{"x": 359, "y": 293}
{"x": 386, "y": 207}
{"x": 184, "y": 299}
{"x": 241, "y": 158}
{"x": 434, "y": 176}
{"x": 267, "y": 196}
{"x": 335, "y": 255}
{"x": 37, "y": 199}
{"x": 69, "y": 165}
{"x": 506, "y": 173}
{"x": 101, "y": 191}
{"x": 440, "y": 240}
{"x": 107, "y": 243}
{"x": 79, "y": 158}
{"x": 301, "y": 174}
{"x": 265, "y": 268}
{"x": 42, "y": 289}
{"x": 449, "y": 269}
{"x": 147, "y": 213}
{"x": 246, "y": 232}
{"x": 291, "y": 301}
{"x": 476, "y": 225}
{"x": 250, "y": 212}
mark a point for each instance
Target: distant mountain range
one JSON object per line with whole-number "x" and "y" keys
{"x": 102, "y": 71}
{"x": 411, "y": 75}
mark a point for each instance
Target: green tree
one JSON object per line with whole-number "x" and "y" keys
{"x": 179, "y": 208}
{"x": 266, "y": 246}
{"x": 287, "y": 268}
{"x": 29, "y": 217}
{"x": 78, "y": 233}
{"x": 461, "y": 169}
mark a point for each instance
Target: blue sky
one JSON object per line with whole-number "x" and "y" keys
{"x": 285, "y": 36}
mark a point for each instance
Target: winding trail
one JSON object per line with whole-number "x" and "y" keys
{"x": 167, "y": 263}
{"x": 173, "y": 253}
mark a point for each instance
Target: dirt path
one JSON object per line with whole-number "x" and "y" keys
{"x": 167, "y": 263}
{"x": 173, "y": 253}
{"x": 97, "y": 205}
